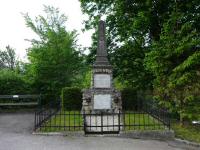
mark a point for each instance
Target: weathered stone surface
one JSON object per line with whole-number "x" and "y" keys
{"x": 108, "y": 122}
{"x": 101, "y": 58}
{"x": 102, "y": 81}
{"x": 102, "y": 96}
{"x": 102, "y": 101}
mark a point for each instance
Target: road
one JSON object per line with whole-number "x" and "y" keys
{"x": 16, "y": 128}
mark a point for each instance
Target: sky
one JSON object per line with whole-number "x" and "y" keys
{"x": 13, "y": 30}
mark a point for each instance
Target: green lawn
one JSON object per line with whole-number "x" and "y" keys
{"x": 188, "y": 132}
{"x": 142, "y": 122}
{"x": 73, "y": 121}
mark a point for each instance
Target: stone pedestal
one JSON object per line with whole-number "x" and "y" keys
{"x": 102, "y": 96}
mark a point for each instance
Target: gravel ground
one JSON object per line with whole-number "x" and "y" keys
{"x": 16, "y": 128}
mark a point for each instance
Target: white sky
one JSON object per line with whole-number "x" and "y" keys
{"x": 13, "y": 30}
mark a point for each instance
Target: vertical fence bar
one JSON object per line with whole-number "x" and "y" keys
{"x": 124, "y": 118}
{"x": 90, "y": 120}
{"x": 35, "y": 121}
{"x": 64, "y": 119}
{"x": 129, "y": 120}
{"x": 69, "y": 119}
{"x": 74, "y": 121}
{"x": 134, "y": 120}
{"x": 84, "y": 122}
{"x": 144, "y": 120}
{"x": 101, "y": 122}
{"x": 79, "y": 120}
{"x": 113, "y": 121}
{"x": 119, "y": 120}
{"x": 60, "y": 125}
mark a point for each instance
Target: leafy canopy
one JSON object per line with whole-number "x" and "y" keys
{"x": 55, "y": 60}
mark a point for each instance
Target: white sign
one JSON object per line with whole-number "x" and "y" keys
{"x": 102, "y": 101}
{"x": 15, "y": 96}
{"x": 102, "y": 80}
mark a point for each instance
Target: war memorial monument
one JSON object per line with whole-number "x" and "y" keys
{"x": 102, "y": 97}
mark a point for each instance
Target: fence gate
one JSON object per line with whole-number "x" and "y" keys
{"x": 102, "y": 123}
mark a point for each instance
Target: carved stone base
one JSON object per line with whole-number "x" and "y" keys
{"x": 88, "y": 100}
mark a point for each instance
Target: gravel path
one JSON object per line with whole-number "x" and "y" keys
{"x": 15, "y": 134}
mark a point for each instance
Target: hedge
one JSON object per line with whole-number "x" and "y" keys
{"x": 71, "y": 98}
{"x": 129, "y": 99}
{"x": 12, "y": 83}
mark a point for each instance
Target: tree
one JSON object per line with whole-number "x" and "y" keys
{"x": 153, "y": 44}
{"x": 174, "y": 62}
{"x": 132, "y": 25}
{"x": 55, "y": 60}
{"x": 8, "y": 58}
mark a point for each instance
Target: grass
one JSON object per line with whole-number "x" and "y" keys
{"x": 64, "y": 121}
{"x": 187, "y": 132}
{"x": 141, "y": 121}
{"x": 73, "y": 121}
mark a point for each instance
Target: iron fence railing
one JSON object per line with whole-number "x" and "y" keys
{"x": 53, "y": 118}
{"x": 45, "y": 112}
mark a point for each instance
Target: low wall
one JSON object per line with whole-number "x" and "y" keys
{"x": 157, "y": 135}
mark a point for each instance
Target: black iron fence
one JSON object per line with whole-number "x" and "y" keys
{"x": 149, "y": 117}
{"x": 45, "y": 112}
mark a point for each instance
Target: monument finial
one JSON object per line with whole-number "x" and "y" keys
{"x": 101, "y": 58}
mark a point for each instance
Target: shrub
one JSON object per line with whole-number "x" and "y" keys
{"x": 133, "y": 99}
{"x": 71, "y": 98}
{"x": 129, "y": 99}
{"x": 12, "y": 83}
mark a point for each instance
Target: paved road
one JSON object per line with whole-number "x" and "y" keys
{"x": 15, "y": 134}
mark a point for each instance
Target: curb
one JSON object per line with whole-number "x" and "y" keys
{"x": 157, "y": 134}
{"x": 154, "y": 135}
{"x": 194, "y": 144}
{"x": 78, "y": 134}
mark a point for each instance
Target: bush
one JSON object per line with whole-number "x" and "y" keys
{"x": 12, "y": 83}
{"x": 133, "y": 99}
{"x": 71, "y": 98}
{"x": 129, "y": 99}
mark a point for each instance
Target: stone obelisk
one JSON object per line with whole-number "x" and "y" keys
{"x": 102, "y": 55}
{"x": 102, "y": 102}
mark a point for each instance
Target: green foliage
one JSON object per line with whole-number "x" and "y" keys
{"x": 12, "y": 83}
{"x": 8, "y": 59}
{"x": 129, "y": 99}
{"x": 87, "y": 79}
{"x": 71, "y": 98}
{"x": 174, "y": 61}
{"x": 131, "y": 26}
{"x": 187, "y": 132}
{"x": 153, "y": 44}
{"x": 83, "y": 80}
{"x": 55, "y": 60}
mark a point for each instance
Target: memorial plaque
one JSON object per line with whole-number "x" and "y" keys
{"x": 102, "y": 81}
{"x": 102, "y": 101}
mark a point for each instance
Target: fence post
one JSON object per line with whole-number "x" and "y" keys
{"x": 35, "y": 122}
{"x": 84, "y": 121}
{"x": 101, "y": 122}
{"x": 119, "y": 120}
